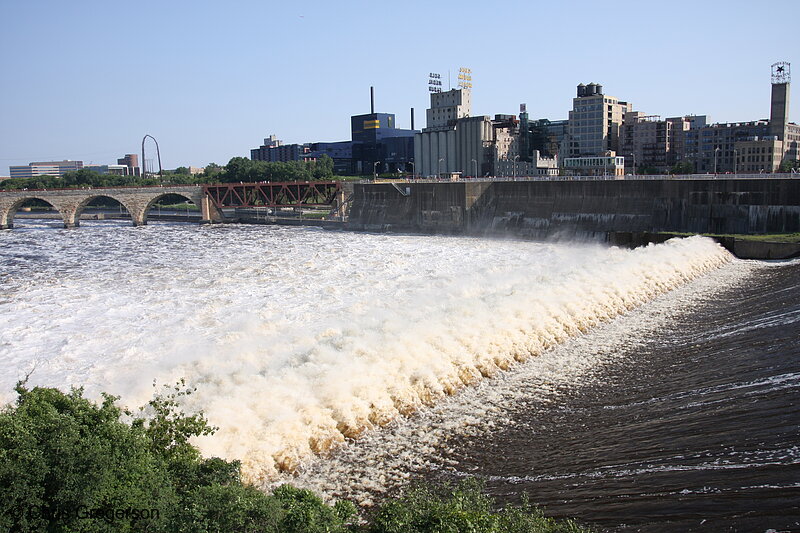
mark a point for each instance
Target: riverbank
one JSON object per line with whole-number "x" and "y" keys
{"x": 777, "y": 246}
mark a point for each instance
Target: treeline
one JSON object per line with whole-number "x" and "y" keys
{"x": 238, "y": 169}
{"x": 69, "y": 464}
{"x": 245, "y": 170}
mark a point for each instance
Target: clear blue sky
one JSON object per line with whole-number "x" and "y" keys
{"x": 88, "y": 79}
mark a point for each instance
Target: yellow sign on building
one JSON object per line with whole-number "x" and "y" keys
{"x": 372, "y": 124}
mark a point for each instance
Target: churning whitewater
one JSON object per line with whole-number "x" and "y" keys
{"x": 299, "y": 339}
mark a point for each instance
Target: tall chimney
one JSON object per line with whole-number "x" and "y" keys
{"x": 372, "y": 100}
{"x": 412, "y": 118}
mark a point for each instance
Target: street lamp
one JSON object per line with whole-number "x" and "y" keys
{"x": 413, "y": 170}
{"x": 514, "y": 168}
{"x": 375, "y": 170}
{"x": 715, "y": 159}
{"x": 439, "y": 175}
{"x": 475, "y": 163}
{"x": 735, "y": 160}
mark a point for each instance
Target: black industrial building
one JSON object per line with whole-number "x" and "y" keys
{"x": 376, "y": 146}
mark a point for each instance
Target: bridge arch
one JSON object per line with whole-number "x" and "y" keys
{"x": 188, "y": 197}
{"x": 8, "y": 211}
{"x": 75, "y": 214}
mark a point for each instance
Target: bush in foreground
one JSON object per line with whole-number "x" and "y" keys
{"x": 461, "y": 508}
{"x": 69, "y": 464}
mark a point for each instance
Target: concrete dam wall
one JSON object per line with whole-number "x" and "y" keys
{"x": 580, "y": 208}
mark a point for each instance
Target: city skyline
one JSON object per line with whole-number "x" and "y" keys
{"x": 209, "y": 82}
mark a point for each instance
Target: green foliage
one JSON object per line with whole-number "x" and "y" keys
{"x": 682, "y": 167}
{"x": 461, "y": 508}
{"x": 787, "y": 165}
{"x": 233, "y": 507}
{"x": 241, "y": 169}
{"x": 304, "y": 512}
{"x": 168, "y": 429}
{"x": 62, "y": 456}
{"x": 69, "y": 464}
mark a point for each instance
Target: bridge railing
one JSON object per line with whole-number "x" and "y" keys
{"x": 57, "y": 189}
{"x": 629, "y": 177}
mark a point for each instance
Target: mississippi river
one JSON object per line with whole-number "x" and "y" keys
{"x": 653, "y": 389}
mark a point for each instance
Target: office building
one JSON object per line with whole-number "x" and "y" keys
{"x": 132, "y": 162}
{"x": 45, "y": 168}
{"x": 376, "y": 145}
{"x": 548, "y": 137}
{"x": 379, "y": 146}
{"x": 594, "y": 166}
{"x": 756, "y": 156}
{"x": 117, "y": 170}
{"x": 595, "y": 122}
{"x": 274, "y": 150}
{"x": 650, "y": 144}
{"x": 341, "y": 152}
{"x": 758, "y": 146}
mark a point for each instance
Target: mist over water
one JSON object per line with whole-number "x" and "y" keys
{"x": 333, "y": 359}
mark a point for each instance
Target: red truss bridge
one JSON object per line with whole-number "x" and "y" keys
{"x": 273, "y": 194}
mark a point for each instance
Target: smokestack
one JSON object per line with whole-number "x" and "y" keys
{"x": 412, "y": 118}
{"x": 372, "y": 100}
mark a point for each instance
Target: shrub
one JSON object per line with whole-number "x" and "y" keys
{"x": 69, "y": 464}
{"x": 459, "y": 509}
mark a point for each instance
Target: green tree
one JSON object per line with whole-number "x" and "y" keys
{"x": 62, "y": 456}
{"x": 462, "y": 507}
{"x": 787, "y": 165}
{"x": 682, "y": 167}
{"x": 324, "y": 168}
{"x": 69, "y": 464}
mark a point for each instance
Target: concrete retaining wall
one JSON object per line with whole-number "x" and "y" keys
{"x": 581, "y": 208}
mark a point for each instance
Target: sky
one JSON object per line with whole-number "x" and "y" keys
{"x": 88, "y": 79}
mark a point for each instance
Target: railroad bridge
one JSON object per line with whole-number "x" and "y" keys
{"x": 211, "y": 199}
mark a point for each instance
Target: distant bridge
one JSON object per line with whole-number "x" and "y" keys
{"x": 211, "y": 199}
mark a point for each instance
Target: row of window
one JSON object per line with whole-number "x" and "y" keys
{"x": 758, "y": 158}
{"x": 757, "y": 150}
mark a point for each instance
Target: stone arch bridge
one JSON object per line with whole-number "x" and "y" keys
{"x": 70, "y": 203}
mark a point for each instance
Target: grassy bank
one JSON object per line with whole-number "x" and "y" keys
{"x": 769, "y": 237}
{"x": 69, "y": 464}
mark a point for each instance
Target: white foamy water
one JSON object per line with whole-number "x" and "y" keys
{"x": 299, "y": 339}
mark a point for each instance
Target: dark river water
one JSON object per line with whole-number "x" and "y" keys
{"x": 695, "y": 429}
